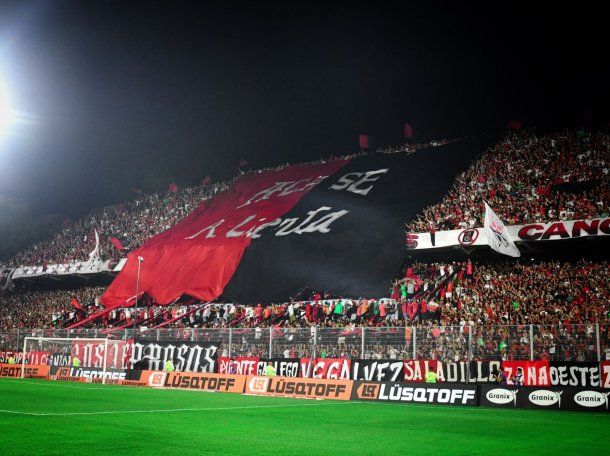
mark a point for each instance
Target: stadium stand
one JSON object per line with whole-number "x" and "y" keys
{"x": 529, "y": 178}
{"x": 525, "y": 177}
{"x": 133, "y": 222}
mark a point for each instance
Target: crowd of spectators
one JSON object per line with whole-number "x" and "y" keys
{"x": 453, "y": 294}
{"x": 458, "y": 310}
{"x": 42, "y": 309}
{"x": 527, "y": 178}
{"x": 131, "y": 223}
{"x": 410, "y": 147}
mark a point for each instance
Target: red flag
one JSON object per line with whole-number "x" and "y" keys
{"x": 173, "y": 188}
{"x": 207, "y": 180}
{"x": 76, "y": 304}
{"x": 242, "y": 162}
{"x": 515, "y": 124}
{"x": 412, "y": 308}
{"x": 117, "y": 244}
{"x": 408, "y": 131}
{"x": 363, "y": 140}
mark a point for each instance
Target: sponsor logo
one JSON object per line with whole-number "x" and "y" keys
{"x": 397, "y": 392}
{"x": 157, "y": 379}
{"x": 89, "y": 375}
{"x": 591, "y": 399}
{"x": 468, "y": 237}
{"x": 311, "y": 388}
{"x": 15, "y": 371}
{"x": 64, "y": 374}
{"x": 210, "y": 382}
{"x": 502, "y": 396}
{"x": 96, "y": 373}
{"x": 131, "y": 383}
{"x": 258, "y": 384}
{"x": 545, "y": 398}
{"x": 368, "y": 391}
{"x": 331, "y": 390}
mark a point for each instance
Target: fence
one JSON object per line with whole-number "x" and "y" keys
{"x": 588, "y": 342}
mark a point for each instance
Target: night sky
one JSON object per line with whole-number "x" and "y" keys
{"x": 120, "y": 96}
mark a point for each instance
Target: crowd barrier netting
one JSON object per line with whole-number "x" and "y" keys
{"x": 575, "y": 343}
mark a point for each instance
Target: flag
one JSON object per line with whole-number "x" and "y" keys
{"x": 77, "y": 305}
{"x": 231, "y": 236}
{"x": 117, "y": 244}
{"x": 173, "y": 187}
{"x": 363, "y": 141}
{"x": 515, "y": 124}
{"x": 242, "y": 162}
{"x": 409, "y": 131}
{"x": 95, "y": 253}
{"x": 207, "y": 180}
{"x": 497, "y": 234}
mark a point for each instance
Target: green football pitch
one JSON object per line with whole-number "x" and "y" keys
{"x": 41, "y": 417}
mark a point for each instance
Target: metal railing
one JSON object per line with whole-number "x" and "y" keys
{"x": 586, "y": 342}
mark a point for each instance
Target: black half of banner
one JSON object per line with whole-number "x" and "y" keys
{"x": 365, "y": 206}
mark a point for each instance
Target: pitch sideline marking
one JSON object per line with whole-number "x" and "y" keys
{"x": 114, "y": 412}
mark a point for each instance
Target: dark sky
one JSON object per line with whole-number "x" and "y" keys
{"x": 127, "y": 94}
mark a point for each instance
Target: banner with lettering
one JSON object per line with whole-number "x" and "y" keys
{"x": 292, "y": 227}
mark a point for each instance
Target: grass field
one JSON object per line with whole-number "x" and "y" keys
{"x": 41, "y": 417}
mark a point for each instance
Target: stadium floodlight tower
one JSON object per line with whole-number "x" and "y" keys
{"x": 59, "y": 352}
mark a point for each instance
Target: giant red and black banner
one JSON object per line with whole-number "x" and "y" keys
{"x": 336, "y": 226}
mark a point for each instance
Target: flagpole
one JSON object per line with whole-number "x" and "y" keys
{"x": 140, "y": 259}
